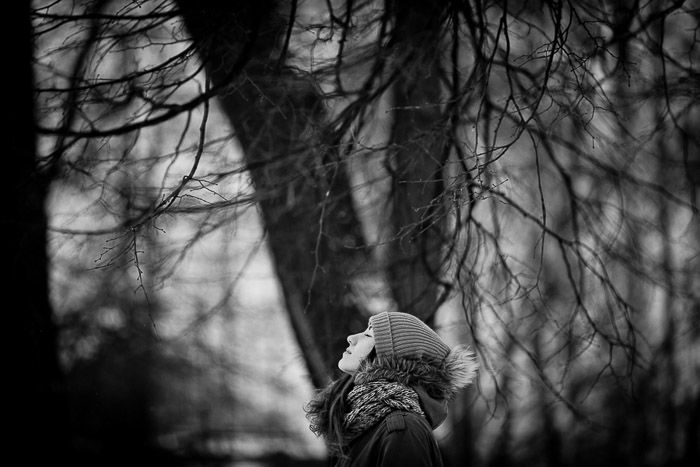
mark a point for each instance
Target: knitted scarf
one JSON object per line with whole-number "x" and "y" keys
{"x": 370, "y": 402}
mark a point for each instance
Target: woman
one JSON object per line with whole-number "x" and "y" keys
{"x": 398, "y": 378}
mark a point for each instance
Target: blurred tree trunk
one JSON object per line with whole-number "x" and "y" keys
{"x": 667, "y": 356}
{"x": 550, "y": 449}
{"x": 690, "y": 448}
{"x": 414, "y": 262}
{"x": 110, "y": 393}
{"x": 501, "y": 453}
{"x": 313, "y": 233}
{"x": 34, "y": 376}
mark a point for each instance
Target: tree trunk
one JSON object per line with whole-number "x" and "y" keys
{"x": 36, "y": 406}
{"x": 419, "y": 139}
{"x": 300, "y": 181}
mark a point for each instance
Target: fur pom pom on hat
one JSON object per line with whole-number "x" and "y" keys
{"x": 401, "y": 336}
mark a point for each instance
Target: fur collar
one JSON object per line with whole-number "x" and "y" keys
{"x": 440, "y": 379}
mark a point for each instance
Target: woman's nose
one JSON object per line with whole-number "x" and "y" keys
{"x": 352, "y": 339}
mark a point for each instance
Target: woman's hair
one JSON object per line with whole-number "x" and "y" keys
{"x": 326, "y": 411}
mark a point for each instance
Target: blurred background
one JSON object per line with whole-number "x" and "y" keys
{"x": 213, "y": 194}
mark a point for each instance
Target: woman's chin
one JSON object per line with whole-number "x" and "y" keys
{"x": 346, "y": 366}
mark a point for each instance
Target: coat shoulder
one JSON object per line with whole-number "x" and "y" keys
{"x": 400, "y": 421}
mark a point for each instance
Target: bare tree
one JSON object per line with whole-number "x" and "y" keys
{"x": 535, "y": 170}
{"x": 296, "y": 166}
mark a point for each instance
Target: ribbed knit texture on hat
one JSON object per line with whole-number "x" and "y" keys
{"x": 405, "y": 336}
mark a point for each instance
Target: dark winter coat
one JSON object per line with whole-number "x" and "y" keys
{"x": 401, "y": 439}
{"x": 405, "y": 439}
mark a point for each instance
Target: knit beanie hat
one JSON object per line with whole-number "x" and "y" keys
{"x": 403, "y": 336}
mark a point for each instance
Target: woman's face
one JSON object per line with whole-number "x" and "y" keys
{"x": 361, "y": 344}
